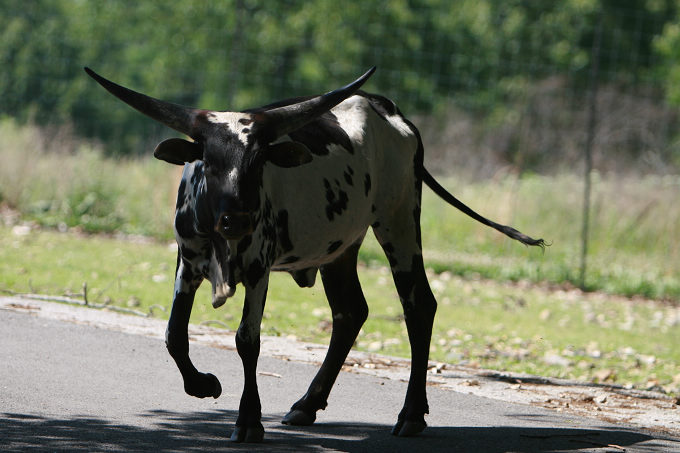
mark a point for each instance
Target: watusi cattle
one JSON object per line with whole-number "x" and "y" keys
{"x": 294, "y": 186}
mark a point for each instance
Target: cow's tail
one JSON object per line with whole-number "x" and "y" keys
{"x": 453, "y": 201}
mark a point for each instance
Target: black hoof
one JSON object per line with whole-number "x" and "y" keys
{"x": 298, "y": 418}
{"x": 248, "y": 434}
{"x": 407, "y": 428}
{"x": 203, "y": 385}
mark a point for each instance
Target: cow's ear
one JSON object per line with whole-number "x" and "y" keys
{"x": 288, "y": 154}
{"x": 178, "y": 151}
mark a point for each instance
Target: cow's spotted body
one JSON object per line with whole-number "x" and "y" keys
{"x": 257, "y": 196}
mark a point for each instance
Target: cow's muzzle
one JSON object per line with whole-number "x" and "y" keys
{"x": 234, "y": 225}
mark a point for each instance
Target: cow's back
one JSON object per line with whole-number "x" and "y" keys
{"x": 330, "y": 202}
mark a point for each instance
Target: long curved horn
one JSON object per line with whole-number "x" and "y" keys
{"x": 178, "y": 117}
{"x": 282, "y": 120}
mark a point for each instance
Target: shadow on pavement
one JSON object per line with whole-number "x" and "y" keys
{"x": 210, "y": 430}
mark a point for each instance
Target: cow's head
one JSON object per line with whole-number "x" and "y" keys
{"x": 233, "y": 147}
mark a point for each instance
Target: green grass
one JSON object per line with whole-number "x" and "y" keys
{"x": 517, "y": 327}
{"x": 634, "y": 248}
{"x": 61, "y": 183}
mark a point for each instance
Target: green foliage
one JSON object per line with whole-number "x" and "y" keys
{"x": 635, "y": 221}
{"x": 483, "y": 55}
{"x": 60, "y": 181}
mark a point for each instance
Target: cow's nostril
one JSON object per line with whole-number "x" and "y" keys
{"x": 234, "y": 225}
{"x": 225, "y": 222}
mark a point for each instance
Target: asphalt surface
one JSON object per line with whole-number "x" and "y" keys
{"x": 69, "y": 386}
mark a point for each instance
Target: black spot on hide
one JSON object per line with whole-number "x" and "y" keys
{"x": 282, "y": 229}
{"x": 184, "y": 224}
{"x": 367, "y": 184}
{"x": 348, "y": 178}
{"x": 337, "y": 203}
{"x": 187, "y": 273}
{"x": 414, "y": 281}
{"x": 321, "y": 133}
{"x": 267, "y": 209}
{"x": 188, "y": 253}
{"x": 333, "y": 246}
{"x": 244, "y": 244}
{"x": 405, "y": 279}
{"x": 381, "y": 105}
{"x": 389, "y": 252}
{"x": 254, "y": 273}
{"x": 181, "y": 193}
{"x": 197, "y": 175}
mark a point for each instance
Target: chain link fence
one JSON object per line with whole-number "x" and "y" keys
{"x": 519, "y": 86}
{"x": 491, "y": 83}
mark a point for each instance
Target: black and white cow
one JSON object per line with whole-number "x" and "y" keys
{"x": 294, "y": 186}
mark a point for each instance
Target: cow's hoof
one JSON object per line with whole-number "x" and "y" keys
{"x": 217, "y": 387}
{"x": 248, "y": 434}
{"x": 203, "y": 385}
{"x": 407, "y": 428}
{"x": 299, "y": 418}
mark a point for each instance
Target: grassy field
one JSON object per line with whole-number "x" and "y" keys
{"x": 517, "y": 327}
{"x": 634, "y": 246}
{"x": 495, "y": 310}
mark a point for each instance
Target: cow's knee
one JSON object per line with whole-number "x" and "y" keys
{"x": 176, "y": 343}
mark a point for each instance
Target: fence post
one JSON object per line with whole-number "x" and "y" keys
{"x": 588, "y": 149}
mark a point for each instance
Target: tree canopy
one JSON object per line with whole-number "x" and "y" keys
{"x": 236, "y": 54}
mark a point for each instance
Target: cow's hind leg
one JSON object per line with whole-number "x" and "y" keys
{"x": 196, "y": 384}
{"x": 400, "y": 239}
{"x": 349, "y": 310}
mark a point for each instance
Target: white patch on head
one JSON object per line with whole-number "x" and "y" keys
{"x": 233, "y": 121}
{"x": 351, "y": 115}
{"x": 233, "y": 176}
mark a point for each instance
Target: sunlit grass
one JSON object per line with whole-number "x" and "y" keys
{"x": 482, "y": 321}
{"x": 518, "y": 327}
{"x": 634, "y": 247}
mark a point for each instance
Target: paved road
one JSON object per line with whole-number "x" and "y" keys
{"x": 66, "y": 386}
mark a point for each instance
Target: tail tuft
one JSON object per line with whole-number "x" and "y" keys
{"x": 453, "y": 201}
{"x": 521, "y": 237}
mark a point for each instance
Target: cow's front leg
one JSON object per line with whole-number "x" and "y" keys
{"x": 196, "y": 384}
{"x": 248, "y": 424}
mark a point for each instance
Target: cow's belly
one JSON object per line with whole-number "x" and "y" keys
{"x": 328, "y": 205}
{"x": 315, "y": 241}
